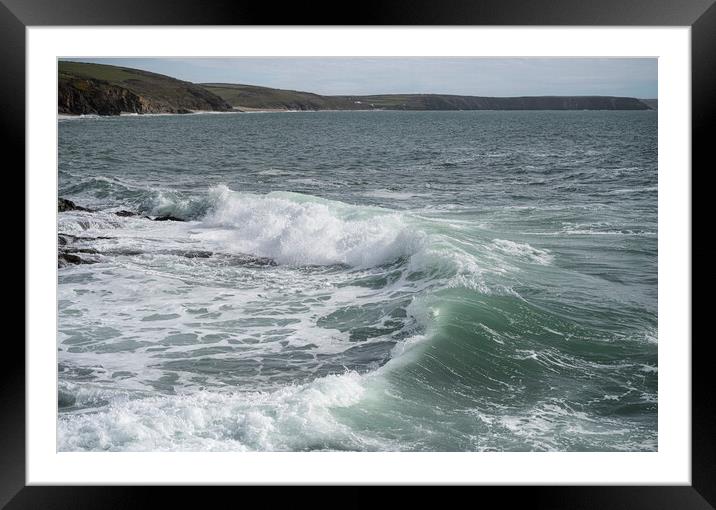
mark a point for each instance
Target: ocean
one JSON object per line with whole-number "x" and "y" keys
{"x": 360, "y": 281}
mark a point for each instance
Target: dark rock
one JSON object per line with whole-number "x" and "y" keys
{"x": 71, "y": 257}
{"x": 89, "y": 96}
{"x": 168, "y": 217}
{"x": 125, "y": 214}
{"x": 80, "y": 250}
{"x": 184, "y": 111}
{"x": 64, "y": 259}
{"x": 69, "y": 238}
{"x": 64, "y": 205}
{"x": 69, "y": 252}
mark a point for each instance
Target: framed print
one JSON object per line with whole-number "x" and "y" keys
{"x": 449, "y": 247}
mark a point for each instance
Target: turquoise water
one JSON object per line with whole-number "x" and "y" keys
{"x": 444, "y": 281}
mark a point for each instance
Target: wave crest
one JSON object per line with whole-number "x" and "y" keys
{"x": 293, "y": 418}
{"x": 297, "y": 229}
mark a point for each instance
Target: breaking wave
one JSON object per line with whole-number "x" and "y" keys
{"x": 421, "y": 327}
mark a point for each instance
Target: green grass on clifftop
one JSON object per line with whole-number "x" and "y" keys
{"x": 94, "y": 86}
{"x": 255, "y": 97}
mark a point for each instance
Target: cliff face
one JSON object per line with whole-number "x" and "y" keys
{"x": 110, "y": 90}
{"x": 94, "y": 97}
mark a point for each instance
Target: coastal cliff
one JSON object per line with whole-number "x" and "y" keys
{"x": 110, "y": 90}
{"x": 452, "y": 102}
{"x": 251, "y": 97}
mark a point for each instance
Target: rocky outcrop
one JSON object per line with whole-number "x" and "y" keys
{"x": 84, "y": 97}
{"x": 66, "y": 259}
{"x": 167, "y": 217}
{"x": 71, "y": 251}
{"x": 76, "y": 250}
{"x": 129, "y": 214}
{"x": 64, "y": 205}
{"x": 110, "y": 90}
{"x": 87, "y": 97}
{"x": 126, "y": 214}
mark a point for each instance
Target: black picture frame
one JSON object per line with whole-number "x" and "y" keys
{"x": 700, "y": 15}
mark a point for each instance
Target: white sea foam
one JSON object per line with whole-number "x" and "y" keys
{"x": 64, "y": 117}
{"x": 78, "y": 222}
{"x": 298, "y": 229}
{"x": 292, "y": 418}
{"x": 523, "y": 251}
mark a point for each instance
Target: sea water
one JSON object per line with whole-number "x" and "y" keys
{"x": 393, "y": 281}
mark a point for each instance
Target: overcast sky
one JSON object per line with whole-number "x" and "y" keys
{"x": 634, "y": 77}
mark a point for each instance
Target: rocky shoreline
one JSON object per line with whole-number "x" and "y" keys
{"x": 69, "y": 247}
{"x": 64, "y": 205}
{"x": 74, "y": 250}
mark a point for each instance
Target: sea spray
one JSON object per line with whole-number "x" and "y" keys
{"x": 303, "y": 230}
